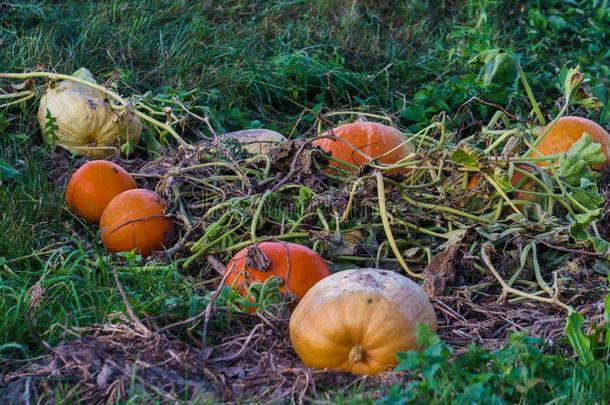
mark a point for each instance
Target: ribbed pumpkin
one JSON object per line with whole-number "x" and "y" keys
{"x": 86, "y": 123}
{"x": 94, "y": 185}
{"x": 298, "y": 267}
{"x": 357, "y": 320}
{"x": 370, "y": 140}
{"x": 135, "y": 220}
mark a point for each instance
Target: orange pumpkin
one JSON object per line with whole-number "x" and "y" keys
{"x": 135, "y": 220}
{"x": 559, "y": 139}
{"x": 298, "y": 267}
{"x": 370, "y": 140}
{"x": 527, "y": 185}
{"x": 566, "y": 132}
{"x": 94, "y": 185}
{"x": 473, "y": 181}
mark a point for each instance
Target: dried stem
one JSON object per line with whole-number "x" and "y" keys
{"x": 132, "y": 315}
{"x": 510, "y": 290}
{"x": 388, "y": 229}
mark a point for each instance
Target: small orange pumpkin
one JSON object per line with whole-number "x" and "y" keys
{"x": 473, "y": 181}
{"x": 94, "y": 185}
{"x": 357, "y": 320}
{"x": 298, "y": 267}
{"x": 371, "y": 140}
{"x": 135, "y": 220}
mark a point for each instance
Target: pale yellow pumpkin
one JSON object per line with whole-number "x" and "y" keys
{"x": 357, "y": 320}
{"x": 86, "y": 123}
{"x": 256, "y": 141}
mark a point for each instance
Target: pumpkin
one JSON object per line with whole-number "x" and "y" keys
{"x": 93, "y": 186}
{"x": 256, "y": 141}
{"x": 357, "y": 320}
{"x": 370, "y": 140}
{"x": 566, "y": 132}
{"x": 559, "y": 139}
{"x": 135, "y": 220}
{"x": 473, "y": 181}
{"x": 298, "y": 267}
{"x": 86, "y": 124}
{"x": 516, "y": 181}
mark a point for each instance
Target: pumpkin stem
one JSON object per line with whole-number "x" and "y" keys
{"x": 356, "y": 355}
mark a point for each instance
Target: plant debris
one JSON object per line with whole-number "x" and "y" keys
{"x": 440, "y": 273}
{"x": 495, "y": 258}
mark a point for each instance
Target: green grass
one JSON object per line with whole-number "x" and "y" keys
{"x": 260, "y": 64}
{"x": 521, "y": 372}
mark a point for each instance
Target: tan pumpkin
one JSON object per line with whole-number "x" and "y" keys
{"x": 256, "y": 141}
{"x": 357, "y": 320}
{"x": 86, "y": 123}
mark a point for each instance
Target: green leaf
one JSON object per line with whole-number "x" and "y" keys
{"x": 485, "y": 56}
{"x": 501, "y": 178}
{"x": 591, "y": 200}
{"x": 575, "y": 164}
{"x": 607, "y": 319}
{"x": 573, "y": 79}
{"x": 51, "y": 127}
{"x": 407, "y": 360}
{"x": 496, "y": 64}
{"x": 84, "y": 74}
{"x": 578, "y": 340}
{"x": 7, "y": 171}
{"x": 587, "y": 217}
{"x": 537, "y": 19}
{"x": 305, "y": 196}
{"x": 500, "y": 66}
{"x": 600, "y": 245}
{"x": 132, "y": 256}
{"x": 601, "y": 267}
{"x": 414, "y": 113}
{"x": 127, "y": 148}
{"x": 579, "y": 233}
{"x": 473, "y": 394}
{"x": 467, "y": 156}
{"x": 153, "y": 146}
{"x": 430, "y": 360}
{"x": 558, "y": 23}
{"x": 425, "y": 337}
{"x": 590, "y": 103}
